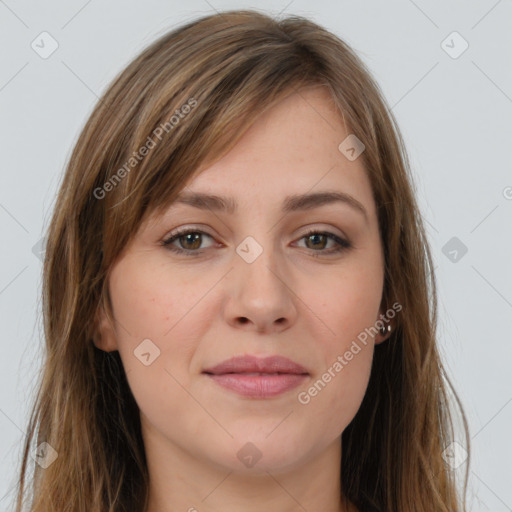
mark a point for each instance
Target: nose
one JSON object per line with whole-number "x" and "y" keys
{"x": 260, "y": 295}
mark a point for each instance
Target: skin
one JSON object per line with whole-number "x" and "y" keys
{"x": 202, "y": 310}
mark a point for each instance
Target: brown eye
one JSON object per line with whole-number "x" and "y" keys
{"x": 316, "y": 241}
{"x": 189, "y": 240}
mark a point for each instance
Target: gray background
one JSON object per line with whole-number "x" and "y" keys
{"x": 455, "y": 115}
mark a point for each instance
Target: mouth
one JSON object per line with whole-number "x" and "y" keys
{"x": 255, "y": 377}
{"x": 256, "y": 365}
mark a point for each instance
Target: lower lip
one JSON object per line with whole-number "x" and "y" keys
{"x": 258, "y": 386}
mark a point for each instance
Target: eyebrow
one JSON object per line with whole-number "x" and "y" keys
{"x": 290, "y": 204}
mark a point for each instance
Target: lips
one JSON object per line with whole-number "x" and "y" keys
{"x": 254, "y": 377}
{"x": 255, "y": 365}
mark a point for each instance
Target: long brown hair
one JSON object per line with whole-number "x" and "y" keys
{"x": 187, "y": 99}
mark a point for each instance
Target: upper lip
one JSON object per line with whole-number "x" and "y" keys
{"x": 252, "y": 364}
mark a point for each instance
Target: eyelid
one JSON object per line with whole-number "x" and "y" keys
{"x": 342, "y": 242}
{"x": 200, "y": 228}
{"x": 182, "y": 231}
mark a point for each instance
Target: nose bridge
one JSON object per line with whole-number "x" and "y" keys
{"x": 260, "y": 296}
{"x": 258, "y": 257}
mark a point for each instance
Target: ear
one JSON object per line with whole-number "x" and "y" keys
{"x": 104, "y": 336}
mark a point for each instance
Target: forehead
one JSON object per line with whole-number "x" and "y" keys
{"x": 291, "y": 150}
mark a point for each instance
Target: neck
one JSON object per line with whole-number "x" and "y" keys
{"x": 180, "y": 482}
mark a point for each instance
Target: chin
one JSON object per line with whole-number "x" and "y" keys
{"x": 258, "y": 451}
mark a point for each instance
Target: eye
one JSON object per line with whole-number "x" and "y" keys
{"x": 316, "y": 240}
{"x": 189, "y": 239}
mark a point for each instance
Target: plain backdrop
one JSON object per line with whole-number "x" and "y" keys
{"x": 445, "y": 70}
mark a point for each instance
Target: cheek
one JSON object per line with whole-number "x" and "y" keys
{"x": 154, "y": 311}
{"x": 347, "y": 303}
{"x": 347, "y": 312}
{"x": 149, "y": 300}
{"x": 335, "y": 394}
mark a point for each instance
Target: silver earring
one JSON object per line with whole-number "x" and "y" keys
{"x": 385, "y": 329}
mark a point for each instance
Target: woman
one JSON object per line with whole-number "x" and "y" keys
{"x": 239, "y": 297}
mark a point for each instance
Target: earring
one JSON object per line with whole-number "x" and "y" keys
{"x": 385, "y": 329}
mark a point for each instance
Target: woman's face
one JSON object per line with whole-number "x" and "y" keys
{"x": 251, "y": 281}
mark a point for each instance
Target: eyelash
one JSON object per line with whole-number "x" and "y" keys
{"x": 343, "y": 245}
